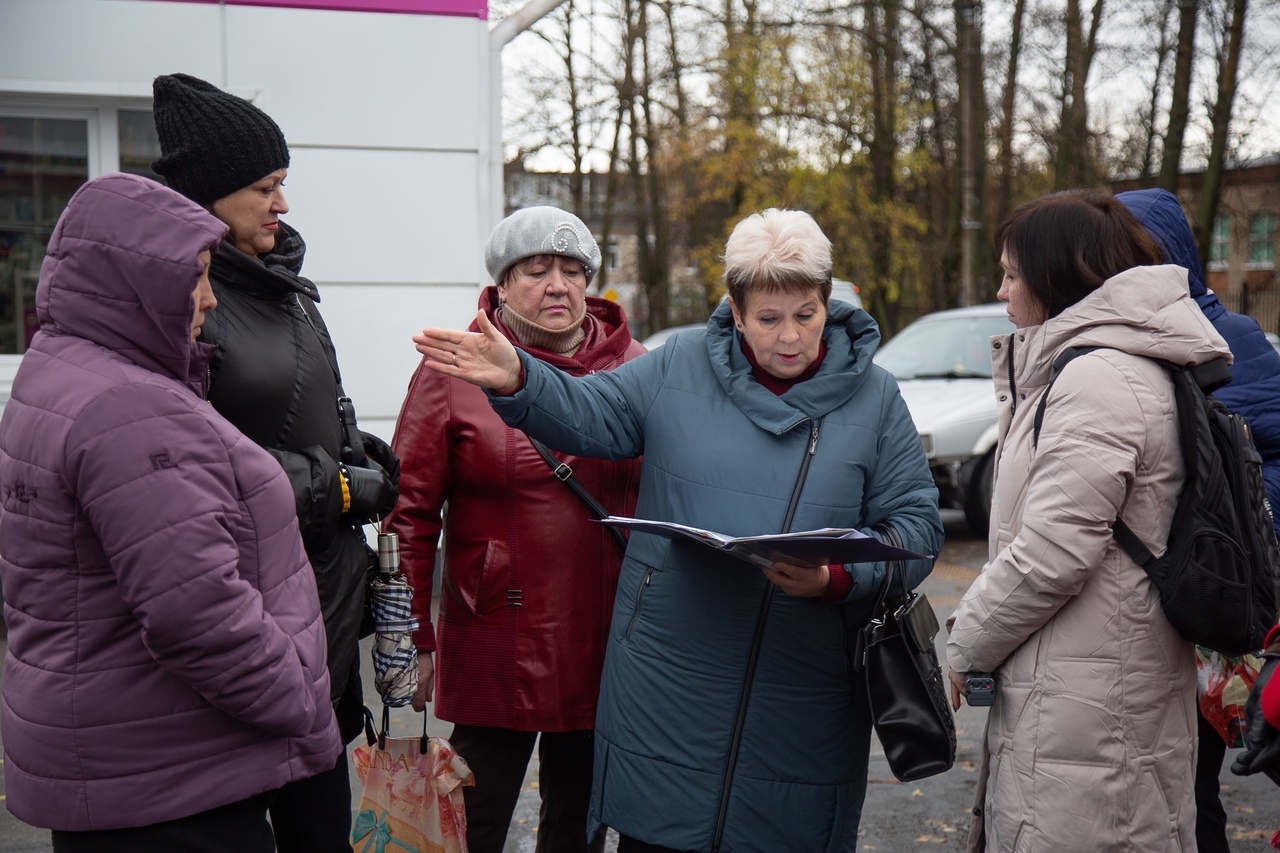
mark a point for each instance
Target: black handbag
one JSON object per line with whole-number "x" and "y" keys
{"x": 904, "y": 683}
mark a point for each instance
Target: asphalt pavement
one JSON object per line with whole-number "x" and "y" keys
{"x": 932, "y": 814}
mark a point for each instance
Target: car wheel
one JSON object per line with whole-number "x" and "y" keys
{"x": 977, "y": 501}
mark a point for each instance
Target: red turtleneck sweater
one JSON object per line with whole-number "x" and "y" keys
{"x": 840, "y": 579}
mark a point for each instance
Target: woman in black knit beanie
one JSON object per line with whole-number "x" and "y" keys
{"x": 275, "y": 376}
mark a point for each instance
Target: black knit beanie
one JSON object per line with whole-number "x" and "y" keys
{"x": 211, "y": 142}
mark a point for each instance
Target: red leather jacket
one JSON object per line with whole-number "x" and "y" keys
{"x": 528, "y": 583}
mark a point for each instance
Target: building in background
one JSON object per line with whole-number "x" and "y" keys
{"x": 388, "y": 110}
{"x": 1241, "y": 256}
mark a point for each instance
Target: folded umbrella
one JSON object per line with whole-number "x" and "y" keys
{"x": 395, "y": 659}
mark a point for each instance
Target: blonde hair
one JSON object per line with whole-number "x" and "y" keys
{"x": 777, "y": 250}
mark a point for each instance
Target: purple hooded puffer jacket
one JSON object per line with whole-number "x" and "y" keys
{"x": 166, "y": 654}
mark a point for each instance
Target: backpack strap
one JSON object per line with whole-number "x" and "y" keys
{"x": 1132, "y": 545}
{"x": 1211, "y": 375}
{"x": 1063, "y": 359}
{"x": 1125, "y": 537}
{"x": 1208, "y": 376}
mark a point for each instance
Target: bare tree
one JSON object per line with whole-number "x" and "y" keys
{"x": 1220, "y": 121}
{"x": 625, "y": 89}
{"x": 703, "y": 110}
{"x": 647, "y": 178}
{"x": 566, "y": 111}
{"x": 1163, "y": 49}
{"x": 1074, "y": 166}
{"x": 1180, "y": 102}
{"x": 972, "y": 145}
{"x": 881, "y": 45}
{"x": 1004, "y": 196}
{"x": 935, "y": 63}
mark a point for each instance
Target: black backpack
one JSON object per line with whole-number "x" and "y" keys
{"x": 1218, "y": 576}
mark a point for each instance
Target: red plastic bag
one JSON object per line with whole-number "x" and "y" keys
{"x": 1224, "y": 682}
{"x": 412, "y": 801}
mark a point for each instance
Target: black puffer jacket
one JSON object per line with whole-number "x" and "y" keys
{"x": 275, "y": 376}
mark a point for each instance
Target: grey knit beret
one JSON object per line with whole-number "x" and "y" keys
{"x": 211, "y": 142}
{"x": 540, "y": 231}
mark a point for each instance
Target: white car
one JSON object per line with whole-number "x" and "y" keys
{"x": 840, "y": 289}
{"x": 661, "y": 336}
{"x": 847, "y": 291}
{"x": 942, "y": 362}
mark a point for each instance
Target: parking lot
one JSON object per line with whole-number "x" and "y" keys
{"x": 931, "y": 814}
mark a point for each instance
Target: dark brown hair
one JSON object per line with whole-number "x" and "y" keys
{"x": 1067, "y": 244}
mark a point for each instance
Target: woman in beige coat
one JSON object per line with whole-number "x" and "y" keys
{"x": 1090, "y": 745}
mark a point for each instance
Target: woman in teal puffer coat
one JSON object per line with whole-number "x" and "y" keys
{"x": 727, "y": 721}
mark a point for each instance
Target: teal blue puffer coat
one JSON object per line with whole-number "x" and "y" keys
{"x": 727, "y": 721}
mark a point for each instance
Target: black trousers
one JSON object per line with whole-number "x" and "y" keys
{"x": 499, "y": 759}
{"x": 239, "y": 827}
{"x": 313, "y": 815}
{"x": 1211, "y": 817}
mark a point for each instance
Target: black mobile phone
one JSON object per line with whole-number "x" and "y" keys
{"x": 980, "y": 689}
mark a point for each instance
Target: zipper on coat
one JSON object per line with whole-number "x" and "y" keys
{"x": 756, "y": 641}
{"x": 644, "y": 585}
{"x": 328, "y": 354}
{"x": 1013, "y": 392}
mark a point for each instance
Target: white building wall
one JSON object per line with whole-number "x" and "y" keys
{"x": 387, "y": 119}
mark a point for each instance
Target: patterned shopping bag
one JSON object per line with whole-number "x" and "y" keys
{"x": 412, "y": 800}
{"x": 1224, "y": 682}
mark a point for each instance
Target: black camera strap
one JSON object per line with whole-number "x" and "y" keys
{"x": 564, "y": 474}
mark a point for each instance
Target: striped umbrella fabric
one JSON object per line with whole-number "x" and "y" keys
{"x": 395, "y": 660}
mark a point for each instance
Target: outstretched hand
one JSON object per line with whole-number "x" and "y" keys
{"x": 485, "y": 358}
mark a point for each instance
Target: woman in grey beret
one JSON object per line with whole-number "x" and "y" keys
{"x": 528, "y": 580}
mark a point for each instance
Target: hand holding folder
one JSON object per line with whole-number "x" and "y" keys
{"x": 823, "y": 547}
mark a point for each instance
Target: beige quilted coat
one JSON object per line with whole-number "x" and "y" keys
{"x": 1091, "y": 743}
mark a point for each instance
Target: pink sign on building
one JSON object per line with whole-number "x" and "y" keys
{"x": 466, "y": 8}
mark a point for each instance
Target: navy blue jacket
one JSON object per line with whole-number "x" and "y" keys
{"x": 1254, "y": 390}
{"x": 727, "y": 719}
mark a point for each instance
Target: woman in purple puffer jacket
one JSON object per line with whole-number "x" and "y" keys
{"x": 166, "y": 662}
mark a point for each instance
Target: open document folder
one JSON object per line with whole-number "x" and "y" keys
{"x": 823, "y": 547}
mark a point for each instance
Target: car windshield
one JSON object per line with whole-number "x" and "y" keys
{"x": 946, "y": 347}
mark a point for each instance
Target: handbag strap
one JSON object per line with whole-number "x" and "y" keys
{"x": 899, "y": 567}
{"x": 380, "y": 738}
{"x": 564, "y": 474}
{"x": 856, "y": 637}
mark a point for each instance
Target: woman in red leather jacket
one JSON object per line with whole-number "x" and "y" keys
{"x": 529, "y": 579}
